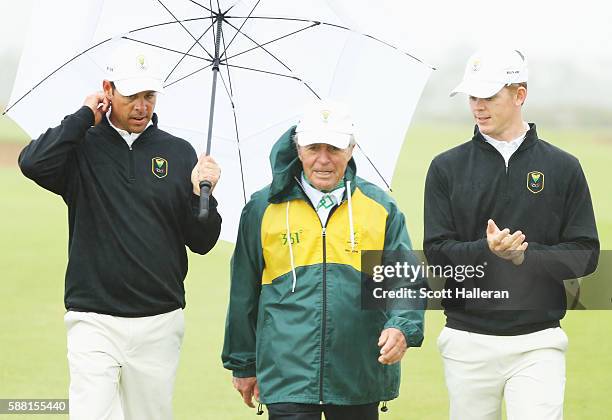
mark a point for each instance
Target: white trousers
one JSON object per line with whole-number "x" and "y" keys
{"x": 122, "y": 368}
{"x": 528, "y": 371}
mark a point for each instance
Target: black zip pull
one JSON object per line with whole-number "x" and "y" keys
{"x": 384, "y": 407}
{"x": 259, "y": 409}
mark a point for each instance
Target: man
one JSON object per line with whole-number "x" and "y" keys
{"x": 132, "y": 196}
{"x": 296, "y": 337}
{"x": 520, "y": 208}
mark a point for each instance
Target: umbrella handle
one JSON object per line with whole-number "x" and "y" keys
{"x": 205, "y": 187}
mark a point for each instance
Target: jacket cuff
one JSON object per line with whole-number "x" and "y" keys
{"x": 86, "y": 115}
{"x": 413, "y": 335}
{"x": 249, "y": 373}
{"x": 195, "y": 202}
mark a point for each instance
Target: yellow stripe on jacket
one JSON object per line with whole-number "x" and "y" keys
{"x": 369, "y": 221}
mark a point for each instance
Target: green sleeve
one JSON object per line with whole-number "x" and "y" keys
{"x": 408, "y": 320}
{"x": 246, "y": 269}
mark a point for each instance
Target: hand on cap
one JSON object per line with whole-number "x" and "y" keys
{"x": 205, "y": 170}
{"x": 98, "y": 103}
{"x": 508, "y": 246}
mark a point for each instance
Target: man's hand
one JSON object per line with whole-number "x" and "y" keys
{"x": 247, "y": 387}
{"x": 508, "y": 246}
{"x": 98, "y": 103}
{"x": 393, "y": 345}
{"x": 205, "y": 170}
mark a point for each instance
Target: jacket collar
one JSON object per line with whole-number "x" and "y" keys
{"x": 105, "y": 124}
{"x": 531, "y": 138}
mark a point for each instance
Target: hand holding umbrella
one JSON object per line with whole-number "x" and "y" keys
{"x": 205, "y": 174}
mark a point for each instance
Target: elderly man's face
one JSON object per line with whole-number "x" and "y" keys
{"x": 324, "y": 165}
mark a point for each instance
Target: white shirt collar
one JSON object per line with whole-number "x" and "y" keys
{"x": 129, "y": 138}
{"x": 315, "y": 197}
{"x": 507, "y": 148}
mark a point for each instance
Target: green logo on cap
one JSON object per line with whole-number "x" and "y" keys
{"x": 141, "y": 62}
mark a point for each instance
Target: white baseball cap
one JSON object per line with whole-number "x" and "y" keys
{"x": 325, "y": 121}
{"x": 134, "y": 68}
{"x": 488, "y": 71}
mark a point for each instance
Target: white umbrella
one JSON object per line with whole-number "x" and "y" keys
{"x": 272, "y": 56}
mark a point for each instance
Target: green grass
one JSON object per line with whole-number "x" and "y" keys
{"x": 33, "y": 258}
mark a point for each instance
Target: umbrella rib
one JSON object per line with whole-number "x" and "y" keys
{"x": 189, "y": 75}
{"x": 339, "y": 27}
{"x": 167, "y": 23}
{"x": 237, "y": 137}
{"x": 283, "y": 18}
{"x": 185, "y": 54}
{"x": 184, "y": 27}
{"x": 231, "y": 7}
{"x": 166, "y": 48}
{"x": 375, "y": 168}
{"x": 241, "y": 26}
{"x": 275, "y": 74}
{"x": 52, "y": 73}
{"x": 202, "y": 6}
{"x": 282, "y": 123}
{"x": 276, "y": 58}
{"x": 289, "y": 76}
{"x": 260, "y": 46}
{"x": 229, "y": 77}
{"x": 226, "y": 90}
{"x": 239, "y": 155}
{"x": 212, "y": 19}
{"x": 270, "y": 42}
{"x": 230, "y": 94}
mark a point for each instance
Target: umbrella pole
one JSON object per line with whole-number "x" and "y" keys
{"x": 205, "y": 186}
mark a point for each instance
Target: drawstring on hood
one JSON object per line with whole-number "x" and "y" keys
{"x": 290, "y": 249}
{"x": 350, "y": 206}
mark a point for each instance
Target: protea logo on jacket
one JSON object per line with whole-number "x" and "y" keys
{"x": 535, "y": 181}
{"x": 159, "y": 167}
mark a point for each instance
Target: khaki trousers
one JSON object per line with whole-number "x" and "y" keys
{"x": 122, "y": 368}
{"x": 528, "y": 371}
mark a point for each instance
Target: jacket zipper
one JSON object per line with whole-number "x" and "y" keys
{"x": 324, "y": 316}
{"x": 131, "y": 176}
{"x": 324, "y": 289}
{"x": 506, "y": 195}
{"x": 507, "y": 190}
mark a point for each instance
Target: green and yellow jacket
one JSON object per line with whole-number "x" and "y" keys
{"x": 294, "y": 319}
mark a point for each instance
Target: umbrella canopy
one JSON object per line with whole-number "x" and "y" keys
{"x": 271, "y": 56}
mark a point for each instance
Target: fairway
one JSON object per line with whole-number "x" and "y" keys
{"x": 33, "y": 259}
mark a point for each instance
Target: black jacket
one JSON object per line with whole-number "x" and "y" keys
{"x": 131, "y": 211}
{"x": 544, "y": 194}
